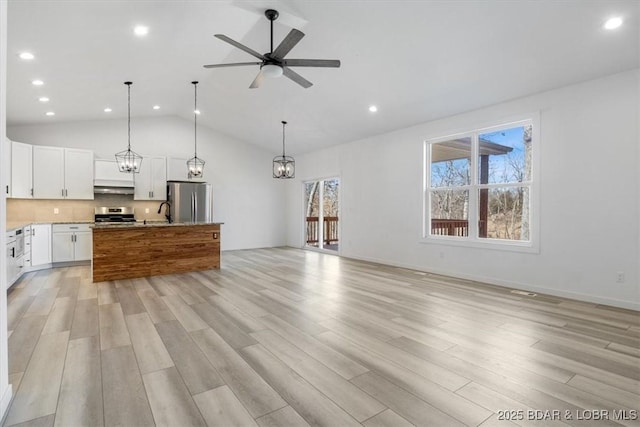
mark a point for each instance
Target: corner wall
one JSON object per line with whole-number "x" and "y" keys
{"x": 589, "y": 191}
{"x": 246, "y": 198}
{"x": 5, "y": 387}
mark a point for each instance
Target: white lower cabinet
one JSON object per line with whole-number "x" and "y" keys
{"x": 40, "y": 244}
{"x": 71, "y": 242}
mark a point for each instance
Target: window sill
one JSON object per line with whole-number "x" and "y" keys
{"x": 493, "y": 244}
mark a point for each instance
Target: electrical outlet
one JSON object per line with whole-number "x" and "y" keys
{"x": 146, "y": 210}
{"x": 56, "y": 211}
{"x": 620, "y": 277}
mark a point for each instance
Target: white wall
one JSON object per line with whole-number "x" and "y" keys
{"x": 246, "y": 198}
{"x": 589, "y": 195}
{"x": 5, "y": 387}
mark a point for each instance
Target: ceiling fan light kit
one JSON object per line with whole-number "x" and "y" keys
{"x": 273, "y": 64}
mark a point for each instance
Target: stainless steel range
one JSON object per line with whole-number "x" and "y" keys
{"x": 114, "y": 215}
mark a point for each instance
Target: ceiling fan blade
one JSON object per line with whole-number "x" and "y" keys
{"x": 236, "y": 64}
{"x": 257, "y": 81}
{"x": 240, "y": 46}
{"x": 296, "y": 77}
{"x": 333, "y": 63}
{"x": 287, "y": 44}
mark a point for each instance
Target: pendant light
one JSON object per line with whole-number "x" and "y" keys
{"x": 129, "y": 161}
{"x": 284, "y": 167}
{"x": 195, "y": 165}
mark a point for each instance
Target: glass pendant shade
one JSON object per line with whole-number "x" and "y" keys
{"x": 284, "y": 167}
{"x": 195, "y": 165}
{"x": 129, "y": 161}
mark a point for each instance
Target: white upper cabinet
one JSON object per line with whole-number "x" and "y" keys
{"x": 21, "y": 170}
{"x": 177, "y": 170}
{"x": 151, "y": 182}
{"x": 6, "y": 165}
{"x": 62, "y": 173}
{"x": 78, "y": 173}
{"x": 48, "y": 172}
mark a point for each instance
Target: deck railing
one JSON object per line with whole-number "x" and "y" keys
{"x": 330, "y": 226}
{"x": 455, "y": 227}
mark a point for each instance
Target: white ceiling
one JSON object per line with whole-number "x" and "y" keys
{"x": 416, "y": 60}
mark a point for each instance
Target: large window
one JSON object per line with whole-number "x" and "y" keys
{"x": 478, "y": 186}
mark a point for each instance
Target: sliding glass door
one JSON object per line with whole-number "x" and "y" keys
{"x": 322, "y": 214}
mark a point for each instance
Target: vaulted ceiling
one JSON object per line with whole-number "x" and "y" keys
{"x": 416, "y": 60}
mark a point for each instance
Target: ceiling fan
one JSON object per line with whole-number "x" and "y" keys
{"x": 273, "y": 64}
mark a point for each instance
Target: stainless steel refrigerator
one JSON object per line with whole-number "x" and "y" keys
{"x": 190, "y": 201}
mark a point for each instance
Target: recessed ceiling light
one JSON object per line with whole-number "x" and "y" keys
{"x": 26, "y": 55}
{"x": 613, "y": 23}
{"x": 373, "y": 108}
{"x": 156, "y": 107}
{"x": 107, "y": 110}
{"x": 37, "y": 82}
{"x": 196, "y": 111}
{"x": 50, "y": 113}
{"x": 141, "y": 30}
{"x": 43, "y": 99}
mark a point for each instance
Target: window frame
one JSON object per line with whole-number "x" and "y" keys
{"x": 472, "y": 239}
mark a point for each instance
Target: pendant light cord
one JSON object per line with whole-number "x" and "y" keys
{"x": 283, "y": 125}
{"x": 195, "y": 118}
{"x": 128, "y": 115}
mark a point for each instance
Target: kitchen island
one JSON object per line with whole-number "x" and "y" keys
{"x": 141, "y": 250}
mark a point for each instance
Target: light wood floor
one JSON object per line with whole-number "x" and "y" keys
{"x": 284, "y": 337}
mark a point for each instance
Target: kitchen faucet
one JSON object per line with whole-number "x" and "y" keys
{"x": 167, "y": 212}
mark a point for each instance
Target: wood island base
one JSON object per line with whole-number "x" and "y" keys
{"x": 127, "y": 252}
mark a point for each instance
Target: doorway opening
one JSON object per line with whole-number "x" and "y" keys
{"x": 322, "y": 211}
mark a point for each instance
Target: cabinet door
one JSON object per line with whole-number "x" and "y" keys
{"x": 11, "y": 263}
{"x": 78, "y": 173}
{"x": 21, "y": 170}
{"x": 142, "y": 181}
{"x": 82, "y": 246}
{"x": 6, "y": 165}
{"x": 63, "y": 247}
{"x": 151, "y": 182}
{"x": 48, "y": 172}
{"x": 158, "y": 178}
{"x": 40, "y": 244}
{"x": 26, "y": 231}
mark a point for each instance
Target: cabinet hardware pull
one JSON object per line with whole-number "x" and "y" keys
{"x": 7, "y": 189}
{"x": 215, "y": 236}
{"x": 31, "y": 191}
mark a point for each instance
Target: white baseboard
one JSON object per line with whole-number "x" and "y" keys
{"x": 630, "y": 305}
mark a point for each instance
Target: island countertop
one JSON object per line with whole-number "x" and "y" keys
{"x": 151, "y": 224}
{"x": 141, "y": 250}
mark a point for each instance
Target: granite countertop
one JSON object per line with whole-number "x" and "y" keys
{"x": 14, "y": 225}
{"x": 140, "y": 224}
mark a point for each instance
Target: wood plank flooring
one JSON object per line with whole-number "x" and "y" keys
{"x": 285, "y": 337}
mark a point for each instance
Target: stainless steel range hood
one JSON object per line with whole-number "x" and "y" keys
{"x": 101, "y": 189}
{"x": 109, "y": 180}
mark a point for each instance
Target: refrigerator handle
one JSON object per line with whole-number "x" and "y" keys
{"x": 193, "y": 204}
{"x": 195, "y": 210}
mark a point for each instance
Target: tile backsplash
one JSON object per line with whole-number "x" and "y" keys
{"x": 28, "y": 210}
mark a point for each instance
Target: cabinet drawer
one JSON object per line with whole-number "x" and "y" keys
{"x": 65, "y": 228}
